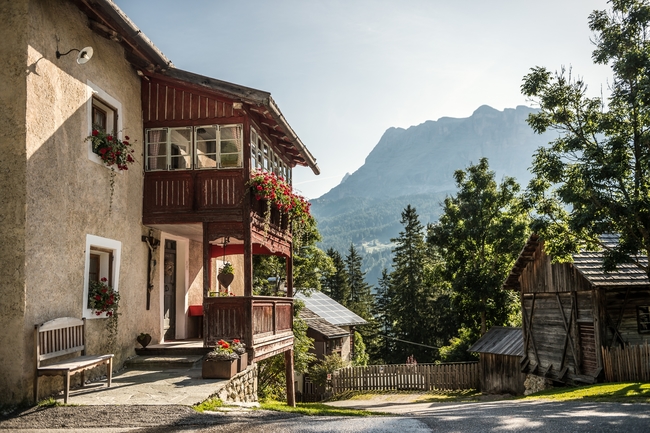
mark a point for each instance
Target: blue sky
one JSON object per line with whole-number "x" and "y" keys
{"x": 342, "y": 72}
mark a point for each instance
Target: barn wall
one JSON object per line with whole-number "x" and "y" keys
{"x": 549, "y": 351}
{"x": 613, "y": 302}
{"x": 542, "y": 276}
{"x": 501, "y": 374}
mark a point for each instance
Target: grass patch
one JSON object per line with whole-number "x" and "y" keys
{"x": 211, "y": 404}
{"x": 314, "y": 409}
{"x": 614, "y": 392}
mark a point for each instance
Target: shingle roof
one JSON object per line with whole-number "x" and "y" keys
{"x": 321, "y": 325}
{"x": 500, "y": 340}
{"x": 588, "y": 263}
{"x": 330, "y": 310}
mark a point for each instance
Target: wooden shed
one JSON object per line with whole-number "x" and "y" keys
{"x": 500, "y": 351}
{"x": 571, "y": 311}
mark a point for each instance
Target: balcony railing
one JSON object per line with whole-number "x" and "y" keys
{"x": 265, "y": 321}
{"x": 192, "y": 190}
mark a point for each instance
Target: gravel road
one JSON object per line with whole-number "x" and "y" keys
{"x": 407, "y": 417}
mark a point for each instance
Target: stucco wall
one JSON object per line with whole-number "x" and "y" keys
{"x": 13, "y": 52}
{"x": 67, "y": 195}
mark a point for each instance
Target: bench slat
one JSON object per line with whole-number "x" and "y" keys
{"x": 61, "y": 322}
{"x": 60, "y": 353}
{"x": 75, "y": 363}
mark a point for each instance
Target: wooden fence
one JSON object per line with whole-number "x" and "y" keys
{"x": 424, "y": 377}
{"x": 627, "y": 364}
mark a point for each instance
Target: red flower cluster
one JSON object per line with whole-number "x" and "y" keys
{"x": 102, "y": 298}
{"x": 270, "y": 187}
{"x": 113, "y": 151}
{"x": 223, "y": 344}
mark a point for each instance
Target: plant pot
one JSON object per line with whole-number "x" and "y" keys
{"x": 242, "y": 362}
{"x": 225, "y": 279}
{"x": 144, "y": 340}
{"x": 219, "y": 369}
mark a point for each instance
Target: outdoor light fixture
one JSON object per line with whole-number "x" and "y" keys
{"x": 84, "y": 54}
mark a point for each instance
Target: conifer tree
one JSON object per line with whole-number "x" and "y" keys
{"x": 335, "y": 284}
{"x": 410, "y": 292}
{"x": 361, "y": 299}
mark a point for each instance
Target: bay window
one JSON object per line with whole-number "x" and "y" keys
{"x": 198, "y": 147}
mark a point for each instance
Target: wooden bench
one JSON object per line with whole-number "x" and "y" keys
{"x": 60, "y": 337}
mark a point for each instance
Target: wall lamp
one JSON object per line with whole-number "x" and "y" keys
{"x": 84, "y": 55}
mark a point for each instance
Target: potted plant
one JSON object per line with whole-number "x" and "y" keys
{"x": 114, "y": 153}
{"x": 221, "y": 363}
{"x": 226, "y": 274}
{"x": 144, "y": 339}
{"x": 240, "y": 349}
{"x": 102, "y": 299}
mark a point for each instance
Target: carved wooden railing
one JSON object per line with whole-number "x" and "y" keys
{"x": 192, "y": 190}
{"x": 265, "y": 321}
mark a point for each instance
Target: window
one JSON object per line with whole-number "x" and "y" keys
{"x": 210, "y": 146}
{"x": 643, "y": 319}
{"x": 102, "y": 261}
{"x": 103, "y": 113}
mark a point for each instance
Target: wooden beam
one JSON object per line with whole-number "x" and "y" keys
{"x": 291, "y": 389}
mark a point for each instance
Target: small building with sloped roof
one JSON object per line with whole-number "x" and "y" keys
{"x": 500, "y": 351}
{"x": 572, "y": 311}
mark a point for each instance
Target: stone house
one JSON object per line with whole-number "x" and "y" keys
{"x": 66, "y": 218}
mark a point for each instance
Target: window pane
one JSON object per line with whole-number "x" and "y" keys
{"x": 156, "y": 149}
{"x": 230, "y": 146}
{"x": 206, "y": 147}
{"x": 181, "y": 148}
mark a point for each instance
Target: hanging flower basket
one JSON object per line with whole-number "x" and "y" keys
{"x": 114, "y": 153}
{"x": 226, "y": 274}
{"x": 278, "y": 195}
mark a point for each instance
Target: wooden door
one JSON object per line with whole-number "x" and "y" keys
{"x": 169, "y": 296}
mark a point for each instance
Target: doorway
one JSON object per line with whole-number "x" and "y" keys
{"x": 169, "y": 294}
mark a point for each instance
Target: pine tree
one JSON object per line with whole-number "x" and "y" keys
{"x": 410, "y": 293}
{"x": 361, "y": 299}
{"x": 335, "y": 284}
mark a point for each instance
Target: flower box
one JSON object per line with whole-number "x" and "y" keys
{"x": 219, "y": 369}
{"x": 242, "y": 362}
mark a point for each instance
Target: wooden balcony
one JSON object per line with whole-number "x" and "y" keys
{"x": 265, "y": 321}
{"x": 193, "y": 196}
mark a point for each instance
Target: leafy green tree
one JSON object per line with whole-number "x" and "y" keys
{"x": 329, "y": 364}
{"x": 360, "y": 356}
{"x": 595, "y": 177}
{"x": 480, "y": 234}
{"x": 335, "y": 284}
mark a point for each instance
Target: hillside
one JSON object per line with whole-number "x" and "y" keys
{"x": 415, "y": 166}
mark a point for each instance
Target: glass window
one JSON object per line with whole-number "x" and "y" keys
{"x": 156, "y": 149}
{"x": 230, "y": 146}
{"x": 180, "y": 148}
{"x": 253, "y": 149}
{"x": 206, "y": 146}
{"x": 102, "y": 260}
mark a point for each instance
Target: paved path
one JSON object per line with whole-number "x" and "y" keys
{"x": 140, "y": 387}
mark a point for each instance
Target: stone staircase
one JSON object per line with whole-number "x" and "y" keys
{"x": 185, "y": 354}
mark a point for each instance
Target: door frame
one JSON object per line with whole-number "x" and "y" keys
{"x": 182, "y": 284}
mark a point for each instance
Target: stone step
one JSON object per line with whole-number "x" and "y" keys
{"x": 163, "y": 362}
{"x": 172, "y": 351}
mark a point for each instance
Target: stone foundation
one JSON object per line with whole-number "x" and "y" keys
{"x": 535, "y": 384}
{"x": 242, "y": 388}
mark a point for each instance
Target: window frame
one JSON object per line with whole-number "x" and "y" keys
{"x": 645, "y": 319}
{"x": 193, "y": 147}
{"x": 96, "y": 96}
{"x": 104, "y": 247}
